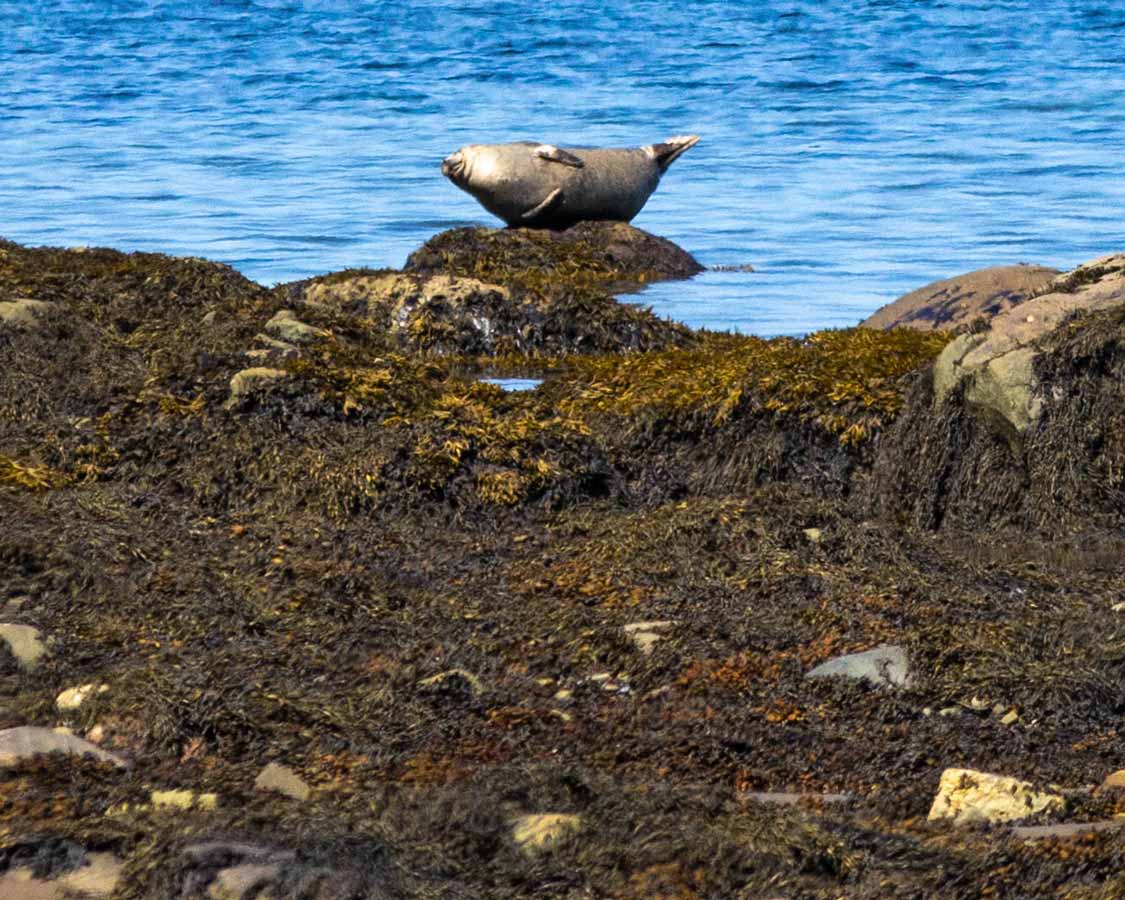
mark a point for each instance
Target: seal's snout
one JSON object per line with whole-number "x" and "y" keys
{"x": 452, "y": 165}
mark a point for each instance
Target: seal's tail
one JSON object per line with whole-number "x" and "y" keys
{"x": 670, "y": 150}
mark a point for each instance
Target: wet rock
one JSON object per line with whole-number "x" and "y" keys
{"x": 23, "y": 314}
{"x": 253, "y": 381}
{"x": 25, "y": 742}
{"x": 24, "y": 643}
{"x": 276, "y": 777}
{"x": 965, "y": 796}
{"x": 645, "y": 634}
{"x": 614, "y": 250}
{"x": 884, "y": 665}
{"x": 954, "y": 303}
{"x": 540, "y": 831}
{"x": 996, "y": 367}
{"x": 73, "y": 698}
{"x": 289, "y": 330}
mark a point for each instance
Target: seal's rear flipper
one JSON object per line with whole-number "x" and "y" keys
{"x": 552, "y": 153}
{"x": 550, "y": 200}
{"x": 672, "y": 149}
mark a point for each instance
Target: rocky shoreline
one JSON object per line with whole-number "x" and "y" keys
{"x": 309, "y": 610}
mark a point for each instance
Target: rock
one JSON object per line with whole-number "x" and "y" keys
{"x": 812, "y": 535}
{"x": 25, "y": 742}
{"x": 97, "y": 877}
{"x": 243, "y": 881}
{"x": 24, "y": 644}
{"x": 543, "y": 830}
{"x": 73, "y": 698}
{"x": 24, "y": 314}
{"x": 996, "y": 367}
{"x": 271, "y": 350}
{"x": 967, "y": 796}
{"x": 21, "y": 884}
{"x": 614, "y": 251}
{"x": 1118, "y": 607}
{"x": 645, "y": 634}
{"x": 289, "y": 330}
{"x": 1037, "y": 832}
{"x": 954, "y": 303}
{"x": 183, "y": 800}
{"x": 1010, "y": 717}
{"x": 276, "y": 777}
{"x": 884, "y": 665}
{"x": 253, "y": 381}
{"x": 1114, "y": 781}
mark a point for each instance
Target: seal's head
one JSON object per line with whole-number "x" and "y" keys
{"x": 454, "y": 168}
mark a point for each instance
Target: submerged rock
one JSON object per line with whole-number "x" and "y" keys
{"x": 965, "y": 796}
{"x": 885, "y": 665}
{"x": 953, "y": 304}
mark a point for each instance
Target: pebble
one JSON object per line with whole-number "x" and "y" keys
{"x": 1010, "y": 718}
{"x": 25, "y": 644}
{"x": 645, "y": 634}
{"x": 276, "y": 777}
{"x": 965, "y": 796}
{"x": 813, "y": 535}
{"x": 884, "y": 665}
{"x": 73, "y": 698}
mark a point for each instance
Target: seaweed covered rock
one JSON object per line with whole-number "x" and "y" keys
{"x": 955, "y": 304}
{"x": 613, "y": 253}
{"x": 1022, "y": 423}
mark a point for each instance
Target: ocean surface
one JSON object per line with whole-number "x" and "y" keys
{"x": 850, "y": 151}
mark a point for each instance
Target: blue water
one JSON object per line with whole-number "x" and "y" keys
{"x": 850, "y": 151}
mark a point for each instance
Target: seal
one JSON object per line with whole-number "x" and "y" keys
{"x": 543, "y": 186}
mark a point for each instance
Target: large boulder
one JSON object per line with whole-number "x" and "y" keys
{"x": 997, "y": 366}
{"x": 953, "y": 304}
{"x": 1021, "y": 424}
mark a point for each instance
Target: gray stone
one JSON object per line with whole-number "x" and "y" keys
{"x": 23, "y": 313}
{"x": 24, "y": 643}
{"x": 27, "y": 741}
{"x": 884, "y": 665}
{"x": 276, "y": 777}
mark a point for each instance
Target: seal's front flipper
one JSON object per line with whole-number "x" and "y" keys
{"x": 670, "y": 150}
{"x": 551, "y": 153}
{"x": 549, "y": 201}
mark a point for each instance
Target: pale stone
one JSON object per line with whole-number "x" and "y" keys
{"x": 286, "y": 327}
{"x": 27, "y": 741}
{"x": 24, "y": 643}
{"x": 253, "y": 381}
{"x": 21, "y": 884}
{"x": 183, "y": 800}
{"x": 884, "y": 665}
{"x": 813, "y": 535}
{"x": 97, "y": 877}
{"x": 1010, "y": 718}
{"x": 644, "y": 635}
{"x": 23, "y": 313}
{"x": 73, "y": 698}
{"x": 967, "y": 796}
{"x": 276, "y": 777}
{"x": 541, "y": 830}
{"x": 1114, "y": 781}
{"x": 239, "y": 882}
